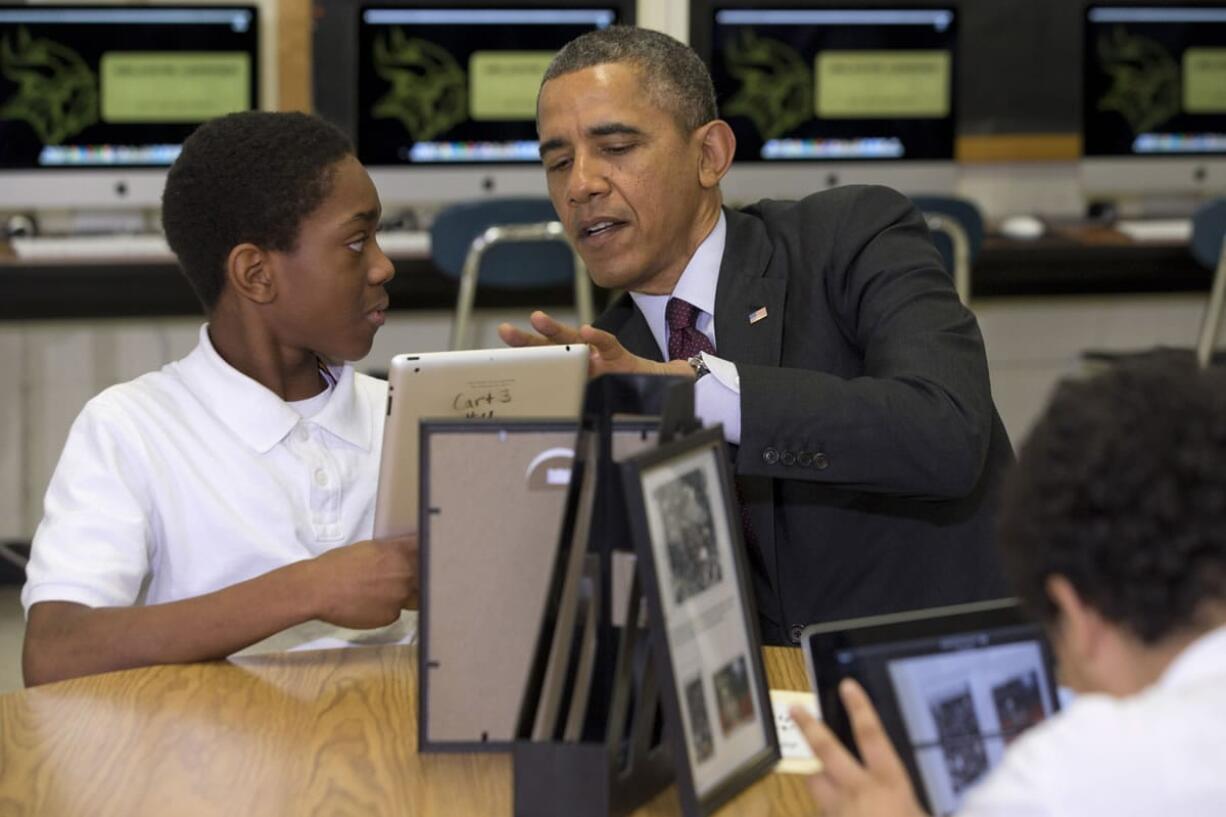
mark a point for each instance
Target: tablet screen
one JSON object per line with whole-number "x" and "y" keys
{"x": 953, "y": 687}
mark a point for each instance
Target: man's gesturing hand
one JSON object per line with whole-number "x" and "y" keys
{"x": 608, "y": 356}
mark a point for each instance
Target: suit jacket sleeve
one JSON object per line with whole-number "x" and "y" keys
{"x": 905, "y": 407}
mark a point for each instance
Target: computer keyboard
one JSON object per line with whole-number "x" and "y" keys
{"x": 1174, "y": 230}
{"x": 92, "y": 247}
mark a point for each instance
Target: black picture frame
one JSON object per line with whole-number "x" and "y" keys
{"x": 694, "y": 471}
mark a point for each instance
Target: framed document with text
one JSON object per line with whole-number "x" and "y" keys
{"x": 687, "y": 532}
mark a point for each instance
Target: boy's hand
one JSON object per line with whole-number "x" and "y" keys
{"x": 844, "y": 787}
{"x": 608, "y": 356}
{"x": 366, "y": 584}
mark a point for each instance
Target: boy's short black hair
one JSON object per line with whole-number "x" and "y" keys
{"x": 1121, "y": 489}
{"x": 246, "y": 177}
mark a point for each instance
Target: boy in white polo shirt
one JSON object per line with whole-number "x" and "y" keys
{"x": 229, "y": 496}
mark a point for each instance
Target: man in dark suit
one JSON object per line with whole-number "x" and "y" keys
{"x": 825, "y": 336}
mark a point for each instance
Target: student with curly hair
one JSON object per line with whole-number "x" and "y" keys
{"x": 229, "y": 496}
{"x": 1114, "y": 533}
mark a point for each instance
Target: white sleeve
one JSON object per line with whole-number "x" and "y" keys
{"x": 92, "y": 546}
{"x": 717, "y": 397}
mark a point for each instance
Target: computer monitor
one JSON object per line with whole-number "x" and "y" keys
{"x": 1154, "y": 101}
{"x": 446, "y": 97}
{"x": 95, "y": 101}
{"x": 824, "y": 94}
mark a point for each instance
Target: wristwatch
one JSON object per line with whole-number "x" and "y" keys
{"x": 698, "y": 365}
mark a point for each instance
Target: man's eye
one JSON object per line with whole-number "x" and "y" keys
{"x": 561, "y": 164}
{"x": 358, "y": 245}
{"x": 617, "y": 149}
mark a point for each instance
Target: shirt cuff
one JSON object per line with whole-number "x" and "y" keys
{"x": 717, "y": 397}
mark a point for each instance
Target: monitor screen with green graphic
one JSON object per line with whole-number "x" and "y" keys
{"x": 822, "y": 82}
{"x": 447, "y": 86}
{"x": 1154, "y": 81}
{"x": 111, "y": 86}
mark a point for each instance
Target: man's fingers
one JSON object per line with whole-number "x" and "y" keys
{"x": 513, "y": 336}
{"x": 553, "y": 330}
{"x": 837, "y": 763}
{"x": 603, "y": 343}
{"x": 874, "y": 744}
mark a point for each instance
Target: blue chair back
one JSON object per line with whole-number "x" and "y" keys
{"x": 1208, "y": 232}
{"x": 965, "y": 212}
{"x": 526, "y": 265}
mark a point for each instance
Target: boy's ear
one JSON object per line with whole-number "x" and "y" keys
{"x": 249, "y": 272}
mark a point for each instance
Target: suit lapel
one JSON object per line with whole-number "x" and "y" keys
{"x": 626, "y": 321}
{"x": 742, "y": 290}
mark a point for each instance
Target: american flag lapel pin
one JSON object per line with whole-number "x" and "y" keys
{"x": 757, "y": 315}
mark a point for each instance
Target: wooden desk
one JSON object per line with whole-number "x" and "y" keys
{"x": 319, "y": 733}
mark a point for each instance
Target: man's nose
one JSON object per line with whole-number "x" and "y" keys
{"x": 588, "y": 179}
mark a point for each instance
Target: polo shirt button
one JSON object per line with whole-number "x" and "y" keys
{"x": 787, "y": 458}
{"x": 820, "y": 461}
{"x": 770, "y": 456}
{"x": 303, "y": 434}
{"x": 804, "y": 459}
{"x": 796, "y": 630}
{"x": 321, "y": 477}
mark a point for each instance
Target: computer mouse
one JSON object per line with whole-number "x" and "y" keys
{"x": 1023, "y": 227}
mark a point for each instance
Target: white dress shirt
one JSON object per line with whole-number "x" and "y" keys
{"x": 196, "y": 477}
{"x": 717, "y": 398}
{"x": 1160, "y": 752}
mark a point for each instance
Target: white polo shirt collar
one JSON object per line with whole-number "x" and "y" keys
{"x": 257, "y": 415}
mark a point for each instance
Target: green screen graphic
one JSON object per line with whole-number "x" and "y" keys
{"x": 151, "y": 86}
{"x": 775, "y": 86}
{"x": 503, "y": 84}
{"x": 428, "y": 92}
{"x": 1204, "y": 80}
{"x": 1144, "y": 80}
{"x": 882, "y": 84}
{"x": 57, "y": 93}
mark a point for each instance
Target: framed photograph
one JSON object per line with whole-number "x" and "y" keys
{"x": 687, "y": 533}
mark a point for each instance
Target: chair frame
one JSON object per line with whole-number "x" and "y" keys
{"x": 941, "y": 223}
{"x": 1211, "y": 324}
{"x": 507, "y": 234}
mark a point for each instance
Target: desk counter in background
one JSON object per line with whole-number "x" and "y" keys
{"x": 1072, "y": 260}
{"x": 331, "y": 732}
{"x": 155, "y": 287}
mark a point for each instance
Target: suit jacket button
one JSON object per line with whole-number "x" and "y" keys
{"x": 804, "y": 459}
{"x": 787, "y": 458}
{"x": 770, "y": 456}
{"x": 795, "y": 633}
{"x": 820, "y": 461}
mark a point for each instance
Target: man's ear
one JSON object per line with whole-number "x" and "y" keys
{"x": 249, "y": 272}
{"x": 717, "y": 144}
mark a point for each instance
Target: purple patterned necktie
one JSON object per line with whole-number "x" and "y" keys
{"x": 685, "y": 341}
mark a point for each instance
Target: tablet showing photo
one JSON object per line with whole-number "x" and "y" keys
{"x": 953, "y": 685}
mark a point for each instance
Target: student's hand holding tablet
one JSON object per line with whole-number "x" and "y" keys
{"x": 366, "y": 584}
{"x": 846, "y": 788}
{"x": 608, "y": 356}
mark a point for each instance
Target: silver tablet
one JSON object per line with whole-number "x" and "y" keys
{"x": 544, "y": 382}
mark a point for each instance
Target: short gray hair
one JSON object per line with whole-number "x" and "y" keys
{"x": 673, "y": 76}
